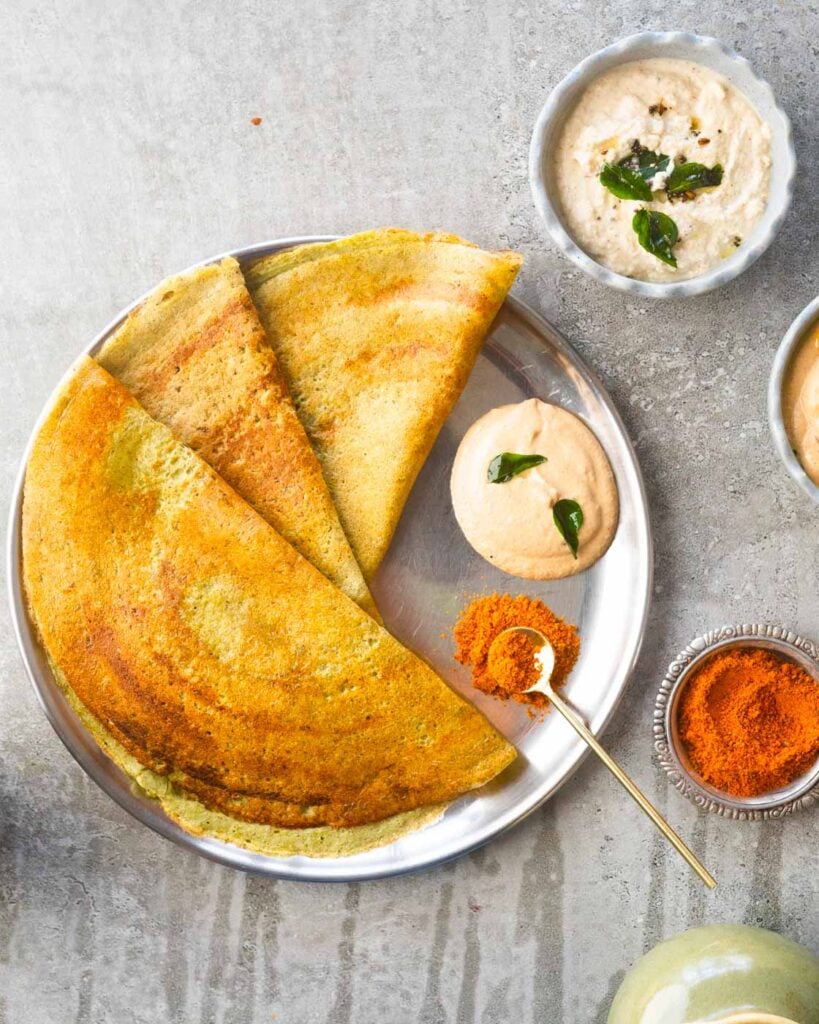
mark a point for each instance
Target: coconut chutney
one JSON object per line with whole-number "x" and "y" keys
{"x": 679, "y": 110}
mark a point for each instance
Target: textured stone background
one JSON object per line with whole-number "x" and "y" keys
{"x": 126, "y": 153}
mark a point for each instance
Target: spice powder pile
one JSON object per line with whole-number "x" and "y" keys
{"x": 512, "y": 667}
{"x": 750, "y": 721}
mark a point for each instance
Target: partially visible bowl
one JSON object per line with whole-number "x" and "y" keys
{"x": 785, "y": 352}
{"x": 700, "y": 50}
{"x": 669, "y": 748}
{"x": 724, "y": 973}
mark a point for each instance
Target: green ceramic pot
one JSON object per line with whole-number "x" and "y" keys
{"x": 725, "y": 974}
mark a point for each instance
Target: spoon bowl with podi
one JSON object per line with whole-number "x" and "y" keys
{"x": 539, "y": 681}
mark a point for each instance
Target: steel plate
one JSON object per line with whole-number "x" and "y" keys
{"x": 425, "y": 579}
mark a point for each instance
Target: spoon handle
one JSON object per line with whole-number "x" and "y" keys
{"x": 645, "y": 804}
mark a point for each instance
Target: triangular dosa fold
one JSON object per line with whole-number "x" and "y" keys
{"x": 376, "y": 335}
{"x": 195, "y": 355}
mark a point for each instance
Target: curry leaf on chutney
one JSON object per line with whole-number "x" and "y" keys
{"x": 657, "y": 233}
{"x": 690, "y": 176}
{"x": 645, "y": 162}
{"x": 568, "y": 517}
{"x": 624, "y": 182}
{"x": 508, "y": 464}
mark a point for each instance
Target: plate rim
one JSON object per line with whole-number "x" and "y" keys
{"x": 149, "y": 813}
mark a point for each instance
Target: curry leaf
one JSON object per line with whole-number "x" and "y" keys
{"x": 645, "y": 162}
{"x": 568, "y": 517}
{"x": 690, "y": 175}
{"x": 657, "y": 233}
{"x": 506, "y": 465}
{"x": 624, "y": 182}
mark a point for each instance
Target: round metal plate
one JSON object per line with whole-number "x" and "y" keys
{"x": 428, "y": 574}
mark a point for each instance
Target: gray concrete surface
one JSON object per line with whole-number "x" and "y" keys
{"x": 126, "y": 152}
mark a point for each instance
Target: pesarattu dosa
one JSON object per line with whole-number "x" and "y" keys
{"x": 196, "y": 357}
{"x": 376, "y": 335}
{"x": 218, "y": 666}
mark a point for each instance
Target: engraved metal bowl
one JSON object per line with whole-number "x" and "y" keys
{"x": 800, "y": 793}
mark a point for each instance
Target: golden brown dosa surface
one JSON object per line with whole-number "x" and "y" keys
{"x": 189, "y": 812}
{"x": 195, "y": 355}
{"x": 210, "y": 650}
{"x": 376, "y": 335}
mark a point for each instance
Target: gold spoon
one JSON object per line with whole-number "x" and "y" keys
{"x": 545, "y": 658}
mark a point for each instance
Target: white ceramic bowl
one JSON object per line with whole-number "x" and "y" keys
{"x": 682, "y": 46}
{"x": 791, "y": 341}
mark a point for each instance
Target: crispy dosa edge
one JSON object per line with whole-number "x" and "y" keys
{"x": 377, "y": 355}
{"x": 194, "y": 817}
{"x": 33, "y": 564}
{"x": 195, "y": 355}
